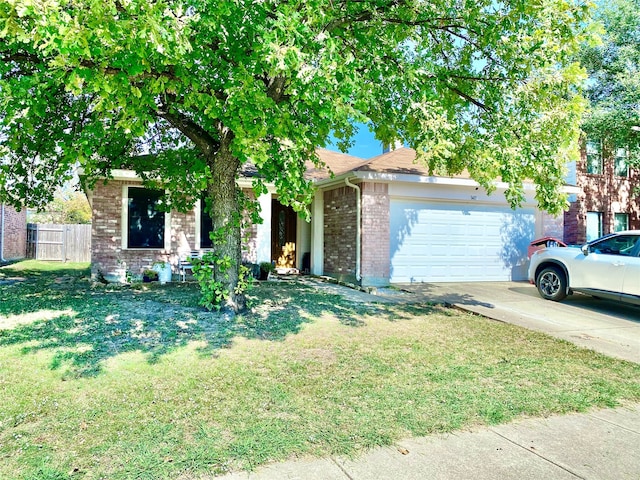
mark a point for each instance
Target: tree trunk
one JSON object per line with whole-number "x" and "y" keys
{"x": 226, "y": 218}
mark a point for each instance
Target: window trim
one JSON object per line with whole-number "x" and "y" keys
{"x": 124, "y": 224}
{"x": 600, "y": 155}
{"x": 615, "y": 161}
{"x": 197, "y": 210}
{"x": 626, "y": 215}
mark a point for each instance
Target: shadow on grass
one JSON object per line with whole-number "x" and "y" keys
{"x": 84, "y": 325}
{"x": 433, "y": 294}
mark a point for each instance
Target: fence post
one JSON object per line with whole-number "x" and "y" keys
{"x": 64, "y": 243}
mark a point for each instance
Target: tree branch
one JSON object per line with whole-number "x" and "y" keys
{"x": 24, "y": 58}
{"x": 467, "y": 97}
{"x": 194, "y": 132}
{"x": 470, "y": 41}
{"x": 275, "y": 88}
{"x": 474, "y": 78}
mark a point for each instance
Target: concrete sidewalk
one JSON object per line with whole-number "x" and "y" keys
{"x": 602, "y": 445}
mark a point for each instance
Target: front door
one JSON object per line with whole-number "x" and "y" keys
{"x": 283, "y": 235}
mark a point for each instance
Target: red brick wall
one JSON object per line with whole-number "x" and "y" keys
{"x": 606, "y": 193}
{"x": 14, "y": 240}
{"x": 376, "y": 261}
{"x": 109, "y": 259}
{"x": 340, "y": 233}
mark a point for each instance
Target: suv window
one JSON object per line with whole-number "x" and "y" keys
{"x": 616, "y": 245}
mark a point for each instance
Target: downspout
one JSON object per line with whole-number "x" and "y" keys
{"x": 358, "y": 229}
{"x": 2, "y": 259}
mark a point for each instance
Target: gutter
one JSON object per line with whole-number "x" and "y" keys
{"x": 2, "y": 259}
{"x": 358, "y": 229}
{"x": 425, "y": 179}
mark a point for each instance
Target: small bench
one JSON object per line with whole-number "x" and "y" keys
{"x": 185, "y": 262}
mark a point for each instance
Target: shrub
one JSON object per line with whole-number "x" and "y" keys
{"x": 265, "y": 269}
{"x": 149, "y": 275}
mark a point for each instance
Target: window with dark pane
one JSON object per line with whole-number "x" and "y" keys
{"x": 616, "y": 245}
{"x": 206, "y": 224}
{"x": 621, "y": 162}
{"x": 145, "y": 219}
{"x": 621, "y": 222}
{"x": 594, "y": 157}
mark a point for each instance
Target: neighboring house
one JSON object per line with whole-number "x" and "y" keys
{"x": 607, "y": 201}
{"x": 13, "y": 233}
{"x": 377, "y": 221}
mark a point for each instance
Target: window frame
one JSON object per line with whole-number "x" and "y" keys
{"x": 616, "y": 215}
{"x": 617, "y": 148}
{"x": 598, "y": 145}
{"x": 125, "y": 224}
{"x": 198, "y": 210}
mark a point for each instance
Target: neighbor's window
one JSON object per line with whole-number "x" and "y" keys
{"x": 206, "y": 225}
{"x": 621, "y": 222}
{"x": 594, "y": 225}
{"x": 145, "y": 220}
{"x": 621, "y": 166}
{"x": 594, "y": 157}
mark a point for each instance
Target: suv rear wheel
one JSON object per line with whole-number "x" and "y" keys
{"x": 552, "y": 284}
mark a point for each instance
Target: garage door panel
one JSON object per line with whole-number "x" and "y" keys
{"x": 444, "y": 242}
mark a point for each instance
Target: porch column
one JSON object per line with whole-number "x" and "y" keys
{"x": 263, "y": 230}
{"x": 317, "y": 233}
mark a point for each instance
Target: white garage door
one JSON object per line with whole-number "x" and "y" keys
{"x": 434, "y": 242}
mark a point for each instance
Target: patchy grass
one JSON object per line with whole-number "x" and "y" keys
{"x": 138, "y": 382}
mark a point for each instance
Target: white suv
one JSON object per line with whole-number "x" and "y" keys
{"x": 608, "y": 267}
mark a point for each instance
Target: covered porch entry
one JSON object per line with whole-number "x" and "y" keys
{"x": 284, "y": 237}
{"x": 284, "y": 230}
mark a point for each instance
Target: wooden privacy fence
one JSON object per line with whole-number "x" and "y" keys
{"x": 61, "y": 243}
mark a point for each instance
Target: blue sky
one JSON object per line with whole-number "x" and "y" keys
{"x": 365, "y": 145}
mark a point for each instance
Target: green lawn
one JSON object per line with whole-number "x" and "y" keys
{"x": 139, "y": 382}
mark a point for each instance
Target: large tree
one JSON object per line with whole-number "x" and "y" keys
{"x": 209, "y": 85}
{"x": 68, "y": 206}
{"x": 613, "y": 66}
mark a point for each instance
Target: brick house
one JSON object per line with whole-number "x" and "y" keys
{"x": 374, "y": 222}
{"x": 606, "y": 202}
{"x": 386, "y": 220}
{"x": 13, "y": 233}
{"x": 128, "y": 234}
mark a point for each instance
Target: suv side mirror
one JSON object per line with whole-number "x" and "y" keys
{"x": 585, "y": 250}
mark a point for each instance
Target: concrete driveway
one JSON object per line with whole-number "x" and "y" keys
{"x": 604, "y": 326}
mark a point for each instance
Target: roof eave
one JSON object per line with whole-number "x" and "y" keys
{"x": 132, "y": 176}
{"x": 410, "y": 178}
{"x": 425, "y": 179}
